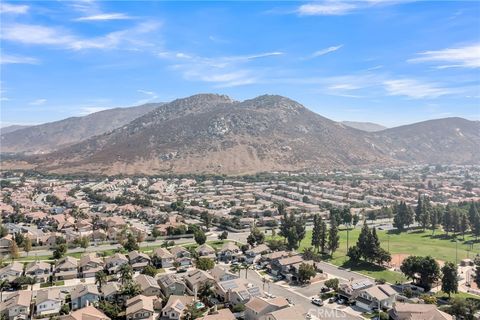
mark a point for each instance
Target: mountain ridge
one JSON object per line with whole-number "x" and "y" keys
{"x": 209, "y": 133}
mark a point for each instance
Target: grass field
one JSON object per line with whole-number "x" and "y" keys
{"x": 415, "y": 242}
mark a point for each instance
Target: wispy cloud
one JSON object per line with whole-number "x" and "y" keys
{"x": 224, "y": 71}
{"x": 38, "y": 102}
{"x": 415, "y": 89}
{"x": 14, "y": 59}
{"x": 461, "y": 57}
{"x": 13, "y": 8}
{"x": 105, "y": 17}
{"x": 57, "y": 36}
{"x": 327, "y": 8}
{"x": 151, "y": 96}
{"x": 326, "y": 51}
{"x": 89, "y": 110}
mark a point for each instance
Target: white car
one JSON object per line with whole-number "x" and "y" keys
{"x": 317, "y": 302}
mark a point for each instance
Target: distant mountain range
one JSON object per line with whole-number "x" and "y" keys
{"x": 51, "y": 136}
{"x": 364, "y": 126}
{"x": 211, "y": 133}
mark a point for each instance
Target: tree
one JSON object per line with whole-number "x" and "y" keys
{"x": 19, "y": 237}
{"x": 4, "y": 284}
{"x": 292, "y": 238}
{"x": 316, "y": 232}
{"x": 131, "y": 243}
{"x": 205, "y": 264}
{"x": 111, "y": 310}
{"x": 236, "y": 268}
{"x": 422, "y": 270}
{"x": 192, "y": 312}
{"x": 84, "y": 242}
{"x": 354, "y": 254}
{"x": 464, "y": 223}
{"x": 130, "y": 289}
{"x": 462, "y": 308}
{"x": 27, "y": 245}
{"x": 200, "y": 237}
{"x": 13, "y": 250}
{"x": 100, "y": 278}
{"x": 223, "y": 235}
{"x": 305, "y": 272}
{"x": 308, "y": 253}
{"x": 447, "y": 219}
{"x": 333, "y": 237}
{"x": 419, "y": 208}
{"x": 403, "y": 217}
{"x": 205, "y": 291}
{"x": 449, "y": 278}
{"x": 255, "y": 237}
{"x": 60, "y": 251}
{"x": 332, "y": 283}
{"x": 150, "y": 271}
{"x": 472, "y": 213}
{"x": 363, "y": 241}
{"x": 126, "y": 273}
{"x": 477, "y": 272}
{"x": 156, "y": 233}
{"x": 323, "y": 236}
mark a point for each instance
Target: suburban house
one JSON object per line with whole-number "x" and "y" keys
{"x": 258, "y": 307}
{"x": 113, "y": 263}
{"x": 87, "y": 313}
{"x": 196, "y": 278}
{"x": 175, "y": 307}
{"x": 229, "y": 252}
{"x": 181, "y": 255}
{"x": 67, "y": 268}
{"x": 205, "y": 251}
{"x": 90, "y": 264}
{"x": 350, "y": 291}
{"x": 254, "y": 254}
{"x": 138, "y": 260}
{"x": 6, "y": 242}
{"x": 289, "y": 313}
{"x": 165, "y": 257}
{"x": 17, "y": 305}
{"x": 407, "y": 311}
{"x": 11, "y": 271}
{"x": 110, "y": 291}
{"x": 140, "y": 307}
{"x": 170, "y": 284}
{"x": 237, "y": 291}
{"x": 40, "y": 270}
{"x": 380, "y": 296}
{"x": 222, "y": 314}
{"x": 222, "y": 273}
{"x": 83, "y": 294}
{"x": 49, "y": 301}
{"x": 148, "y": 285}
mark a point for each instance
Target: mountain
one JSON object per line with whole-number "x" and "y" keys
{"x": 211, "y": 133}
{"x": 11, "y": 128}
{"x": 54, "y": 135}
{"x": 364, "y": 126}
{"x": 448, "y": 140}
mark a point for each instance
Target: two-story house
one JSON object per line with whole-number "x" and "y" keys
{"x": 114, "y": 262}
{"x": 40, "y": 270}
{"x": 90, "y": 264}
{"x": 84, "y": 294}
{"x": 49, "y": 302}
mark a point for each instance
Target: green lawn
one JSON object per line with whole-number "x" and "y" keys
{"x": 415, "y": 242}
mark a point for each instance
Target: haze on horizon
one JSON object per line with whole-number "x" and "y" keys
{"x": 358, "y": 61}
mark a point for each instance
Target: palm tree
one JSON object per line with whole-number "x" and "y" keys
{"x": 246, "y": 267}
{"x": 126, "y": 273}
{"x": 206, "y": 290}
{"x": 236, "y": 268}
{"x": 100, "y": 279}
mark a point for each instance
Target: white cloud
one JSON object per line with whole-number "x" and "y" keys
{"x": 224, "y": 71}
{"x": 105, "y": 17}
{"x": 43, "y": 35}
{"x": 414, "y": 89}
{"x": 38, "y": 102}
{"x": 13, "y": 8}
{"x": 466, "y": 57}
{"x": 151, "y": 96}
{"x": 89, "y": 110}
{"x": 11, "y": 59}
{"x": 326, "y": 51}
{"x": 327, "y": 8}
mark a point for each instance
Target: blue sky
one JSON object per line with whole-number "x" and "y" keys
{"x": 389, "y": 62}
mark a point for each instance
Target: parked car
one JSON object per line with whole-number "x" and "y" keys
{"x": 317, "y": 302}
{"x": 325, "y": 289}
{"x": 341, "y": 301}
{"x": 332, "y": 299}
